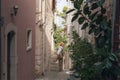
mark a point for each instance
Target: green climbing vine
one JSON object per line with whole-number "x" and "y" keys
{"x": 93, "y": 15}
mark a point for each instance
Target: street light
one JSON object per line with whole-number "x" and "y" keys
{"x": 14, "y": 10}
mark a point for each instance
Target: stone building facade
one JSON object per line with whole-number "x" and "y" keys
{"x": 27, "y": 38}
{"x": 44, "y": 35}
{"x": 18, "y": 39}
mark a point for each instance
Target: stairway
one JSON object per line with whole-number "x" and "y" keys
{"x": 53, "y": 66}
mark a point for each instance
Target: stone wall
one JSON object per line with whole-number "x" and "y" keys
{"x": 44, "y": 36}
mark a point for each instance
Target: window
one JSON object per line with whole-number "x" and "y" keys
{"x": 29, "y": 39}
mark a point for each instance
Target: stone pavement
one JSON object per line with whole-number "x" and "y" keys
{"x": 51, "y": 75}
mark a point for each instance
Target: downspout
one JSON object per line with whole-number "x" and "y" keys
{"x": 42, "y": 38}
{"x": 43, "y": 34}
{"x": 113, "y": 19}
{"x": 43, "y": 73}
{"x": 44, "y": 41}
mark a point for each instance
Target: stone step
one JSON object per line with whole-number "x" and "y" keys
{"x": 53, "y": 63}
{"x": 53, "y": 69}
{"x": 53, "y": 66}
{"x": 53, "y": 60}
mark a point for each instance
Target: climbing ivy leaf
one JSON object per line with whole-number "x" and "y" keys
{"x": 85, "y": 25}
{"x": 92, "y": 26}
{"x": 71, "y": 10}
{"x": 97, "y": 31}
{"x": 90, "y": 31}
{"x": 81, "y": 20}
{"x": 100, "y": 3}
{"x": 74, "y": 17}
{"x": 78, "y": 12}
{"x": 103, "y": 24}
{"x": 101, "y": 41}
{"x": 93, "y": 15}
{"x": 80, "y": 2}
{"x": 76, "y": 5}
{"x": 86, "y": 10}
{"x": 103, "y": 10}
{"x": 99, "y": 19}
{"x": 94, "y": 6}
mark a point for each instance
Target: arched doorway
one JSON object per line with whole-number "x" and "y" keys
{"x": 11, "y": 65}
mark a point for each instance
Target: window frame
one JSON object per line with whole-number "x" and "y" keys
{"x": 29, "y": 39}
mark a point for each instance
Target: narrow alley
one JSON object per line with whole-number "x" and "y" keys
{"x": 54, "y": 73}
{"x": 59, "y": 40}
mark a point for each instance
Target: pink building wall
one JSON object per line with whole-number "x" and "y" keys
{"x": 24, "y": 20}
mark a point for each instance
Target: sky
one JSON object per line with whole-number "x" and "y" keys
{"x": 59, "y": 6}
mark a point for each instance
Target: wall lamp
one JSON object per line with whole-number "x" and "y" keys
{"x": 14, "y": 10}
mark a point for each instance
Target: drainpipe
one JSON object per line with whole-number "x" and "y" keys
{"x": 113, "y": 19}
{"x": 43, "y": 34}
{"x": 44, "y": 47}
{"x": 42, "y": 39}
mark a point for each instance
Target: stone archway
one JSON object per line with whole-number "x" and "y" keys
{"x": 11, "y": 62}
{"x": 11, "y": 52}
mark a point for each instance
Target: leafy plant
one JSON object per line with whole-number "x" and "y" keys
{"x": 63, "y": 13}
{"x": 83, "y": 57}
{"x": 59, "y": 36}
{"x": 92, "y": 14}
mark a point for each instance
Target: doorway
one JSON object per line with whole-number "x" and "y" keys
{"x": 11, "y": 56}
